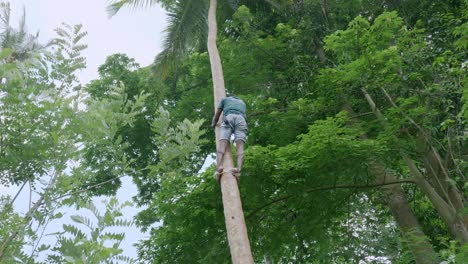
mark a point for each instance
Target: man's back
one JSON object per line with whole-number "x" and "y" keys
{"x": 232, "y": 105}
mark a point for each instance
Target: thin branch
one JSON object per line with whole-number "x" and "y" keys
{"x": 29, "y": 215}
{"x": 88, "y": 188}
{"x": 457, "y": 167}
{"x": 30, "y": 195}
{"x": 40, "y": 238}
{"x": 411, "y": 120}
{"x": 333, "y": 187}
{"x": 17, "y": 194}
{"x": 426, "y": 137}
{"x": 360, "y": 115}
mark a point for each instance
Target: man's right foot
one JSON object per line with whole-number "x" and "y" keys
{"x": 236, "y": 174}
{"x": 218, "y": 173}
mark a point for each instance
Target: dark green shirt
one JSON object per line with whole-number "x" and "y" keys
{"x": 232, "y": 105}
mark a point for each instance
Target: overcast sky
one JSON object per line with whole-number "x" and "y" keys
{"x": 137, "y": 33}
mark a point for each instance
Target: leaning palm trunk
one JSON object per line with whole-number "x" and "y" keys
{"x": 233, "y": 214}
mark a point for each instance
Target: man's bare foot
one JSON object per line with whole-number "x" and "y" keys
{"x": 236, "y": 173}
{"x": 218, "y": 173}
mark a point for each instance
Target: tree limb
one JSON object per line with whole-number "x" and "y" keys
{"x": 332, "y": 187}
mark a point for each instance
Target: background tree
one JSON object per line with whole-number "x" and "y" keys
{"x": 25, "y": 46}
{"x": 97, "y": 243}
{"x": 45, "y": 135}
{"x": 395, "y": 67}
{"x": 291, "y": 86}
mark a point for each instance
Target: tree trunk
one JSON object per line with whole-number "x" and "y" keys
{"x": 234, "y": 216}
{"x": 436, "y": 169}
{"x": 447, "y": 212}
{"x": 396, "y": 201}
{"x": 319, "y": 51}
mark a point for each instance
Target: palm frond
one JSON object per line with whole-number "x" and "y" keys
{"x": 5, "y": 15}
{"x": 186, "y": 31}
{"x": 116, "y": 5}
{"x": 164, "y": 63}
{"x": 25, "y": 46}
{"x": 275, "y": 4}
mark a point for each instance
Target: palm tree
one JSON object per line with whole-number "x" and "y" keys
{"x": 233, "y": 214}
{"x": 187, "y": 27}
{"x": 25, "y": 46}
{"x": 187, "y": 30}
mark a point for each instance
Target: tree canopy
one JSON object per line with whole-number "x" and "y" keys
{"x": 357, "y": 146}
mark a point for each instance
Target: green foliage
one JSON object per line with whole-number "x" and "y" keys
{"x": 286, "y": 202}
{"x": 178, "y": 149}
{"x": 57, "y": 139}
{"x": 122, "y": 71}
{"x": 307, "y": 181}
{"x": 37, "y": 116}
{"x": 24, "y": 45}
{"x": 291, "y": 76}
{"x": 403, "y": 74}
{"x": 190, "y": 207}
{"x": 137, "y": 139}
{"x": 105, "y": 159}
{"x": 117, "y": 68}
{"x": 9, "y": 220}
{"x": 178, "y": 194}
{"x": 97, "y": 242}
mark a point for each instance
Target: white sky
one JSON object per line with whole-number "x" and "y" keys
{"x": 137, "y": 33}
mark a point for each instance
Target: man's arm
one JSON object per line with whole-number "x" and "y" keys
{"x": 216, "y": 117}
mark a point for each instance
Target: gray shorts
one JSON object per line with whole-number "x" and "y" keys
{"x": 236, "y": 124}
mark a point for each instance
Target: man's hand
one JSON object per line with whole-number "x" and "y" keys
{"x": 214, "y": 122}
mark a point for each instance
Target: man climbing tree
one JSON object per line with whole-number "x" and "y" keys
{"x": 233, "y": 109}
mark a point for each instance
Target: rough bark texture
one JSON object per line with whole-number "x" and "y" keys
{"x": 449, "y": 213}
{"x": 438, "y": 170}
{"x": 234, "y": 216}
{"x": 404, "y": 216}
{"x": 319, "y": 51}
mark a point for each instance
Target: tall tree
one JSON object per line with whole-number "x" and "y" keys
{"x": 234, "y": 217}
{"x": 382, "y": 56}
{"x": 233, "y": 213}
{"x": 26, "y": 47}
{"x": 283, "y": 86}
{"x": 45, "y": 134}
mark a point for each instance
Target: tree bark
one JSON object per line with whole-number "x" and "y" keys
{"x": 447, "y": 212}
{"x": 319, "y": 51}
{"x": 397, "y": 202}
{"x": 234, "y": 216}
{"x": 404, "y": 216}
{"x": 436, "y": 169}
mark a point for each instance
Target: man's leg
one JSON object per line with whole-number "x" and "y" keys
{"x": 240, "y": 155}
{"x": 240, "y": 134}
{"x": 219, "y": 156}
